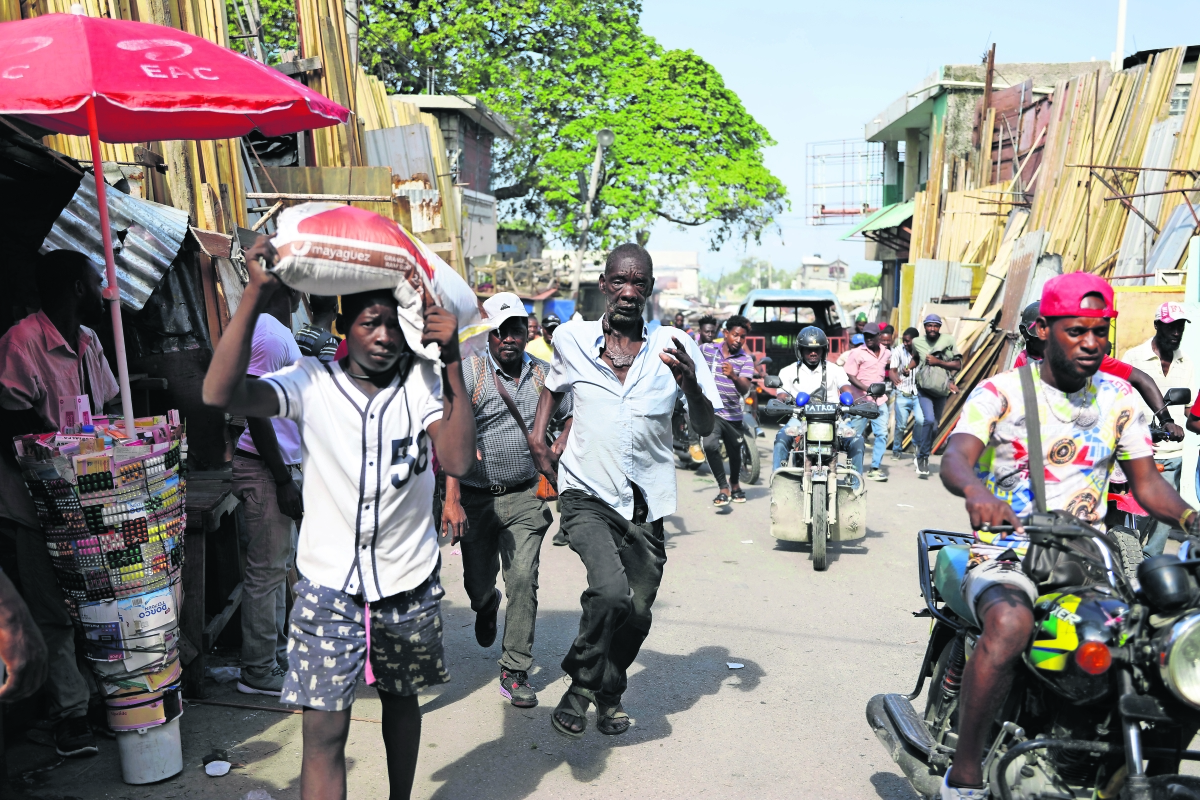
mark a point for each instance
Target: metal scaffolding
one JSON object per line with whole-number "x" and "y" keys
{"x": 844, "y": 181}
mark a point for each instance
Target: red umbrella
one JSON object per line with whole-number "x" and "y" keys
{"x": 127, "y": 81}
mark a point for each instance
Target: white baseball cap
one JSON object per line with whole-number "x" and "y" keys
{"x": 1171, "y": 312}
{"x": 502, "y": 306}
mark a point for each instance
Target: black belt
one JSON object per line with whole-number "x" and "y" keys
{"x": 497, "y": 490}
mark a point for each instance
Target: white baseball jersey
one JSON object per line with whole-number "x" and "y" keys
{"x": 368, "y": 485}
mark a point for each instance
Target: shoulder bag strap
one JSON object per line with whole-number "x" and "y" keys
{"x": 478, "y": 368}
{"x": 1033, "y": 444}
{"x": 512, "y": 407}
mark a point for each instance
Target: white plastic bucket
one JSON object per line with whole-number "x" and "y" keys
{"x": 151, "y": 754}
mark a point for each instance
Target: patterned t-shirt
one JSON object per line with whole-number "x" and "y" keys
{"x": 743, "y": 367}
{"x": 1084, "y": 434}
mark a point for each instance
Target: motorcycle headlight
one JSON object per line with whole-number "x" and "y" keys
{"x": 820, "y": 431}
{"x": 1179, "y": 659}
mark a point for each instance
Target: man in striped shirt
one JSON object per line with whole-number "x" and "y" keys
{"x": 732, "y": 368}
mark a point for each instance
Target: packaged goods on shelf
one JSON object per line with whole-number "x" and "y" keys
{"x": 113, "y": 515}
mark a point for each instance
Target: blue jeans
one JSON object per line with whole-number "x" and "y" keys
{"x": 879, "y": 427}
{"x": 1160, "y": 531}
{"x": 853, "y": 446}
{"x": 906, "y": 405}
{"x": 932, "y": 406}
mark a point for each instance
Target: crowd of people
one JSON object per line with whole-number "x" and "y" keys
{"x": 346, "y": 435}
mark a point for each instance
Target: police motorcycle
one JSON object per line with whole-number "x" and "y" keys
{"x": 816, "y": 496}
{"x": 1109, "y": 682}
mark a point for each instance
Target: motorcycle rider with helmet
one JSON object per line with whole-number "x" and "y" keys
{"x": 1088, "y": 422}
{"x": 823, "y": 381}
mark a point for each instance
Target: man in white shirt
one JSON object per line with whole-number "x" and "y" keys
{"x": 904, "y": 379}
{"x": 617, "y": 475}
{"x": 369, "y": 595}
{"x": 820, "y": 379}
{"x": 1161, "y": 359}
{"x": 266, "y": 465}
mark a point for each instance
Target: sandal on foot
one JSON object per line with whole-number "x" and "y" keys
{"x": 737, "y": 496}
{"x": 721, "y": 499}
{"x": 574, "y": 704}
{"x": 612, "y": 720}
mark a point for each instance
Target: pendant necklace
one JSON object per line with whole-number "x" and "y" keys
{"x": 1084, "y": 414}
{"x": 619, "y": 360}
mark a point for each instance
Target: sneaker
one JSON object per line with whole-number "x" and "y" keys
{"x": 697, "y": 453}
{"x": 923, "y": 467}
{"x": 514, "y": 685}
{"x": 270, "y": 685}
{"x": 485, "y": 622}
{"x": 962, "y": 793}
{"x": 895, "y": 455}
{"x": 876, "y": 475}
{"x": 73, "y": 738}
{"x": 560, "y": 539}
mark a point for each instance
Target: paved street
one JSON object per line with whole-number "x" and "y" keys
{"x": 789, "y": 724}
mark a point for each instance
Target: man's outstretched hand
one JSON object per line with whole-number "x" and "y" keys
{"x": 985, "y": 508}
{"x": 682, "y": 366}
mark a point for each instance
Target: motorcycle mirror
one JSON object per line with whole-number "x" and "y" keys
{"x": 772, "y": 382}
{"x": 801, "y": 399}
{"x": 1164, "y": 581}
{"x": 877, "y": 390}
{"x": 1178, "y": 396}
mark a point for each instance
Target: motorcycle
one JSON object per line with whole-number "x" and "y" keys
{"x": 1124, "y": 512}
{"x": 816, "y": 487}
{"x": 681, "y": 442}
{"x": 1110, "y": 679}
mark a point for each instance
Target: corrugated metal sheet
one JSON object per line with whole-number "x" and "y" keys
{"x": 146, "y": 238}
{"x": 426, "y": 208}
{"x": 1138, "y": 241}
{"x": 934, "y": 279}
{"x": 406, "y": 150}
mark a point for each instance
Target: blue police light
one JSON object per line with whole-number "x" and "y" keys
{"x": 846, "y": 398}
{"x": 801, "y": 399}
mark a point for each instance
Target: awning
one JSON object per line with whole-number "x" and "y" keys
{"x": 887, "y": 217}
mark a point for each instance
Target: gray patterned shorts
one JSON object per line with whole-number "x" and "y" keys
{"x": 328, "y": 643}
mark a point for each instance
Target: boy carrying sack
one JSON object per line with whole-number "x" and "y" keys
{"x": 369, "y": 596}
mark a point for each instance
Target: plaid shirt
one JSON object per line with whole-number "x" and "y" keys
{"x": 506, "y": 460}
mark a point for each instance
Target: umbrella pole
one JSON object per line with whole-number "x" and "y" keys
{"x": 113, "y": 292}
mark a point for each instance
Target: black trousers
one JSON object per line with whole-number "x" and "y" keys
{"x": 731, "y": 434}
{"x": 624, "y": 562}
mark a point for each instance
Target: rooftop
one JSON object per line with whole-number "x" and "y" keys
{"x": 469, "y": 106}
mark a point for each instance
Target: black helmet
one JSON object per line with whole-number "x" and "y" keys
{"x": 811, "y": 338}
{"x": 1028, "y": 318}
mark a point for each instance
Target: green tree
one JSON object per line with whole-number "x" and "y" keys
{"x": 687, "y": 151}
{"x": 863, "y": 280}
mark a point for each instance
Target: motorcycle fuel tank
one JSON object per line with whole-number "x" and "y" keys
{"x": 1064, "y": 622}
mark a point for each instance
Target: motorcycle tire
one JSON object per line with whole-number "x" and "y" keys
{"x": 1131, "y": 549}
{"x": 820, "y": 532}
{"x": 751, "y": 462}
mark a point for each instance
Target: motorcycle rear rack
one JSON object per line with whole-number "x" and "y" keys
{"x": 934, "y": 540}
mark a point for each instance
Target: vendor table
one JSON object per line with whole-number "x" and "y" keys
{"x": 213, "y": 530}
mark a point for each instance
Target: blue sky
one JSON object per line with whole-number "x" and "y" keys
{"x": 816, "y": 71}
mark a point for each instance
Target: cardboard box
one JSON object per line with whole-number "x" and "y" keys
{"x": 74, "y": 411}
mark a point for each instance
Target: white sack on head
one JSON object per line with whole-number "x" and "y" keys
{"x": 329, "y": 248}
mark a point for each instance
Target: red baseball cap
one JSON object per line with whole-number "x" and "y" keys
{"x": 1062, "y": 296}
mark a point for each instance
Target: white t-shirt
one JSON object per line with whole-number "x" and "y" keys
{"x": 798, "y": 377}
{"x": 901, "y": 358}
{"x": 273, "y": 348}
{"x": 368, "y": 486}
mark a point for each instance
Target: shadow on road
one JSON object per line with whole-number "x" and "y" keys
{"x": 513, "y": 766}
{"x": 892, "y": 787}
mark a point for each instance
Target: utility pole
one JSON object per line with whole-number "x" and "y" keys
{"x": 1119, "y": 54}
{"x": 604, "y": 140}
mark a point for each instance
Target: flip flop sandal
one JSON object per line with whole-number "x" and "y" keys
{"x": 721, "y": 500}
{"x": 612, "y": 720}
{"x": 573, "y": 704}
{"x": 737, "y": 496}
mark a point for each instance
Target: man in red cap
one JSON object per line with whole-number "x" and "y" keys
{"x": 1088, "y": 422}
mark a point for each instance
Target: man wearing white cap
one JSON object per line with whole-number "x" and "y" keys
{"x": 1161, "y": 359}
{"x": 495, "y": 509}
